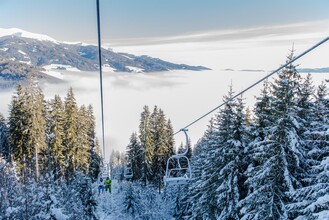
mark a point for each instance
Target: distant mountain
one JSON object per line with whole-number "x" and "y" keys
{"x": 42, "y": 51}
{"x": 314, "y": 70}
{"x": 13, "y": 72}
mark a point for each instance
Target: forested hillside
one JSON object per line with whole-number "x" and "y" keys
{"x": 271, "y": 163}
{"x": 50, "y": 156}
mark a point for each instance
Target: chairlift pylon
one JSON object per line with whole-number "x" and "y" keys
{"x": 178, "y": 169}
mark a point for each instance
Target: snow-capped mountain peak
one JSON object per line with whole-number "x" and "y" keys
{"x": 41, "y": 50}
{"x": 26, "y": 34}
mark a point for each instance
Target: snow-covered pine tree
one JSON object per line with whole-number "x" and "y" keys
{"x": 77, "y": 198}
{"x": 82, "y": 157}
{"x": 131, "y": 200}
{"x": 94, "y": 151}
{"x": 304, "y": 104}
{"x": 135, "y": 157}
{"x": 256, "y": 205}
{"x": 216, "y": 184}
{"x": 146, "y": 141}
{"x": 55, "y": 130}
{"x": 46, "y": 202}
{"x": 10, "y": 191}
{"x": 70, "y": 141}
{"x": 87, "y": 197}
{"x": 169, "y": 134}
{"x": 278, "y": 161}
{"x": 17, "y": 126}
{"x": 263, "y": 114}
{"x": 36, "y": 129}
{"x": 162, "y": 150}
{"x": 5, "y": 151}
{"x": 230, "y": 173}
{"x": 311, "y": 201}
{"x": 199, "y": 160}
{"x": 117, "y": 163}
{"x": 27, "y": 128}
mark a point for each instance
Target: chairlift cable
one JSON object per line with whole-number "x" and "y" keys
{"x": 100, "y": 73}
{"x": 256, "y": 83}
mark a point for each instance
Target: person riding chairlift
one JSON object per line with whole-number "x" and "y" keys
{"x": 108, "y": 183}
{"x": 100, "y": 186}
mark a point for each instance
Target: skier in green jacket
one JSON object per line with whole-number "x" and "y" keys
{"x": 108, "y": 183}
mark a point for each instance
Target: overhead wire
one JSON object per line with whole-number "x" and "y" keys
{"x": 256, "y": 83}
{"x": 100, "y": 73}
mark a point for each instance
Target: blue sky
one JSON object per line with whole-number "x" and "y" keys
{"x": 74, "y": 20}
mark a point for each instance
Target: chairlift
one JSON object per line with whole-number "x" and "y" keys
{"x": 105, "y": 171}
{"x": 178, "y": 169}
{"x": 128, "y": 172}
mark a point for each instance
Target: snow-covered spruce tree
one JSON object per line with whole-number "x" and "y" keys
{"x": 135, "y": 157}
{"x": 255, "y": 205}
{"x": 153, "y": 205}
{"x": 94, "y": 151}
{"x": 169, "y": 141}
{"x": 70, "y": 141}
{"x": 311, "y": 201}
{"x": 146, "y": 141}
{"x": 117, "y": 164}
{"x": 304, "y": 104}
{"x": 36, "y": 132}
{"x": 230, "y": 175}
{"x": 87, "y": 197}
{"x": 5, "y": 150}
{"x": 263, "y": 119}
{"x": 18, "y": 115}
{"x": 220, "y": 187}
{"x": 27, "y": 129}
{"x": 46, "y": 204}
{"x": 278, "y": 160}
{"x": 30, "y": 199}
{"x": 162, "y": 149}
{"x": 55, "y": 130}
{"x": 10, "y": 191}
{"x": 77, "y": 198}
{"x": 176, "y": 198}
{"x": 157, "y": 129}
{"x": 82, "y": 154}
{"x": 131, "y": 200}
{"x": 199, "y": 206}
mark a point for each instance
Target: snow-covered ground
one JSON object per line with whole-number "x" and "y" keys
{"x": 130, "y": 201}
{"x": 108, "y": 202}
{"x": 55, "y": 66}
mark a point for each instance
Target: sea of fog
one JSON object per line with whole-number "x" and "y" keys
{"x": 182, "y": 95}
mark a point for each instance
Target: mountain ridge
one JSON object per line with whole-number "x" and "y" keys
{"x": 42, "y": 50}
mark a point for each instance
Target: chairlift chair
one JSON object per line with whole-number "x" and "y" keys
{"x": 105, "y": 171}
{"x": 128, "y": 172}
{"x": 178, "y": 169}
